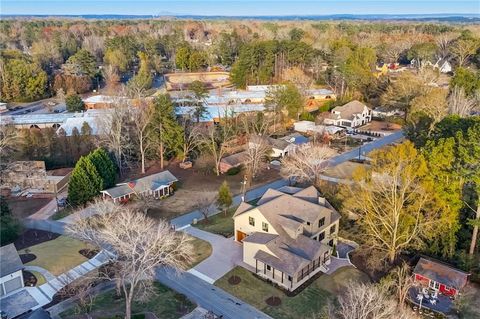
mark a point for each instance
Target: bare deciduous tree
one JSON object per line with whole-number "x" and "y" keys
{"x": 141, "y": 118}
{"x": 115, "y": 136}
{"x": 398, "y": 282}
{"x": 306, "y": 163}
{"x": 138, "y": 245}
{"x": 368, "y": 301}
{"x": 8, "y": 138}
{"x": 206, "y": 204}
{"x": 191, "y": 139}
{"x": 463, "y": 49}
{"x": 460, "y": 104}
{"x": 258, "y": 147}
{"x": 217, "y": 141}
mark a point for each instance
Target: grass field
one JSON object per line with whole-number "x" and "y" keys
{"x": 220, "y": 224}
{"x": 165, "y": 304}
{"x": 201, "y": 250}
{"x": 306, "y": 304}
{"x": 58, "y": 255}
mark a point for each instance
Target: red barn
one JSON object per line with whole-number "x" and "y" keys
{"x": 440, "y": 277}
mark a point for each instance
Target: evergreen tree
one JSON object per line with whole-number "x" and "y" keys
{"x": 104, "y": 165}
{"x": 225, "y": 198}
{"x": 85, "y": 182}
{"x": 200, "y": 93}
{"x": 8, "y": 223}
{"x": 166, "y": 131}
{"x": 74, "y": 103}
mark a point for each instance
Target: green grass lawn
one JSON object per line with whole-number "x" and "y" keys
{"x": 165, "y": 304}
{"x": 220, "y": 224}
{"x": 201, "y": 251}
{"x": 310, "y": 301}
{"x": 58, "y": 255}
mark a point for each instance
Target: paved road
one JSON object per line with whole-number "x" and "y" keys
{"x": 208, "y": 296}
{"x": 187, "y": 219}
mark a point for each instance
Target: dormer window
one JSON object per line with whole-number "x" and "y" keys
{"x": 265, "y": 227}
{"x": 321, "y": 222}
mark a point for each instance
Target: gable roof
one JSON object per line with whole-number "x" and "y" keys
{"x": 349, "y": 110}
{"x": 441, "y": 273}
{"x": 242, "y": 208}
{"x": 146, "y": 183}
{"x": 10, "y": 260}
{"x": 279, "y": 144}
{"x": 236, "y": 159}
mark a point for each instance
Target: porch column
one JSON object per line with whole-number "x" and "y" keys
{"x": 256, "y": 265}
{"x": 282, "y": 277}
{"x": 273, "y": 273}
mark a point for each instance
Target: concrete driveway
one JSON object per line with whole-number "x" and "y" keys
{"x": 226, "y": 254}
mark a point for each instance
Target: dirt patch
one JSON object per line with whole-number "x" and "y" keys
{"x": 29, "y": 279}
{"x": 88, "y": 253}
{"x": 31, "y": 237}
{"x": 234, "y": 280}
{"x": 26, "y": 258}
{"x": 381, "y": 126}
{"x": 273, "y": 301}
{"x": 194, "y": 184}
{"x": 23, "y": 207}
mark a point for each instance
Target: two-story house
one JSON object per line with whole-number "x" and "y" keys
{"x": 353, "y": 114}
{"x": 288, "y": 236}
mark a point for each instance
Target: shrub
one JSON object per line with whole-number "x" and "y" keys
{"x": 234, "y": 170}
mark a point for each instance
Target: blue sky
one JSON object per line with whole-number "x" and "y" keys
{"x": 235, "y": 8}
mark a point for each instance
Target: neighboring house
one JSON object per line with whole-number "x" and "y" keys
{"x": 352, "y": 114}
{"x": 11, "y": 267}
{"x": 234, "y": 160}
{"x": 157, "y": 185}
{"x": 96, "y": 102}
{"x": 288, "y": 236}
{"x": 22, "y": 175}
{"x": 440, "y": 277}
{"x": 443, "y": 66}
{"x": 3, "y": 107}
{"x": 295, "y": 138}
{"x": 383, "y": 112}
{"x": 279, "y": 147}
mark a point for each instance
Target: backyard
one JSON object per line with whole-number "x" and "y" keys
{"x": 57, "y": 255}
{"x": 165, "y": 304}
{"x": 307, "y": 303}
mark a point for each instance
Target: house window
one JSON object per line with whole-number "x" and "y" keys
{"x": 265, "y": 227}
{"x": 308, "y": 223}
{"x": 332, "y": 229}
{"x": 330, "y": 243}
{"x": 251, "y": 221}
{"x": 321, "y": 222}
{"x": 289, "y": 278}
{"x": 321, "y": 236}
{"x": 269, "y": 267}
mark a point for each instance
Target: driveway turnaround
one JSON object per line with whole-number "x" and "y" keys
{"x": 208, "y": 296}
{"x": 226, "y": 254}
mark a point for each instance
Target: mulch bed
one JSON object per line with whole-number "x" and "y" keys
{"x": 32, "y": 237}
{"x": 88, "y": 253}
{"x": 273, "y": 301}
{"x": 234, "y": 280}
{"x": 26, "y": 258}
{"x": 29, "y": 279}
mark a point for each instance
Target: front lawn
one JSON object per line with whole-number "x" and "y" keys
{"x": 58, "y": 255}
{"x": 220, "y": 224}
{"x": 165, "y": 304}
{"x": 201, "y": 251}
{"x": 307, "y": 303}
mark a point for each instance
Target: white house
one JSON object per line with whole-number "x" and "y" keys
{"x": 279, "y": 147}
{"x": 11, "y": 267}
{"x": 352, "y": 114}
{"x": 443, "y": 66}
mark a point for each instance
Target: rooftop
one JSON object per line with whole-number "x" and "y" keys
{"x": 441, "y": 273}
{"x": 10, "y": 260}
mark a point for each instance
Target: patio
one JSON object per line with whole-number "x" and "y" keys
{"x": 441, "y": 304}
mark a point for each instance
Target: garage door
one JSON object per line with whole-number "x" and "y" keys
{"x": 11, "y": 285}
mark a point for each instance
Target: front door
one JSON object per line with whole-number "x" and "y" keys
{"x": 241, "y": 236}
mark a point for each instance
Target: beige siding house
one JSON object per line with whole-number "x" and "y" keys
{"x": 288, "y": 236}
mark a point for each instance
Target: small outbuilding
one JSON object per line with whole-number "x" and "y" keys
{"x": 157, "y": 185}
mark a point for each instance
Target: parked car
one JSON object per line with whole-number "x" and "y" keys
{"x": 62, "y": 202}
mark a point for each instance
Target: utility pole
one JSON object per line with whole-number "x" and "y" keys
{"x": 244, "y": 187}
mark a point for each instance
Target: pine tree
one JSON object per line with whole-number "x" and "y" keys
{"x": 104, "y": 165}
{"x": 8, "y": 223}
{"x": 85, "y": 182}
{"x": 225, "y": 198}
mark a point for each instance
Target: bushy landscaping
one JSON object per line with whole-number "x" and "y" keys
{"x": 165, "y": 304}
{"x": 307, "y": 303}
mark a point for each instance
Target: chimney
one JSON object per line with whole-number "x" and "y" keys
{"x": 321, "y": 201}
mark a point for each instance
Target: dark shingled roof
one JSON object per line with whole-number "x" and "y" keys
{"x": 441, "y": 273}
{"x": 9, "y": 260}
{"x": 260, "y": 238}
